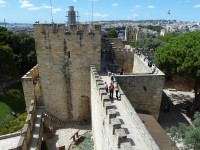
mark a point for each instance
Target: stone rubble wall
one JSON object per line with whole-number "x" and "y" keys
{"x": 64, "y": 55}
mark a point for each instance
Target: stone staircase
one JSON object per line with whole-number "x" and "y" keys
{"x": 54, "y": 119}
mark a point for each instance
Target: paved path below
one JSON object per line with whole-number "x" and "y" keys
{"x": 9, "y": 143}
{"x": 62, "y": 136}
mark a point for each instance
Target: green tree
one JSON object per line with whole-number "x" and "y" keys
{"x": 149, "y": 43}
{"x": 24, "y": 50}
{"x": 188, "y": 134}
{"x": 167, "y": 36}
{"x": 112, "y": 33}
{"x": 181, "y": 55}
{"x": 17, "y": 50}
{"x": 7, "y": 64}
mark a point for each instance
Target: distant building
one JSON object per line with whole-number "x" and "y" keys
{"x": 162, "y": 32}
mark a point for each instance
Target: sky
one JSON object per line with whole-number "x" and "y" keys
{"x": 29, "y": 11}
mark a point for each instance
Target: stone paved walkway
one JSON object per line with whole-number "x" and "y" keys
{"x": 62, "y": 136}
{"x": 36, "y": 130}
{"x": 9, "y": 143}
{"x": 127, "y": 124}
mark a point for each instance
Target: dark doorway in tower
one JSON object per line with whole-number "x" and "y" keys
{"x": 84, "y": 110}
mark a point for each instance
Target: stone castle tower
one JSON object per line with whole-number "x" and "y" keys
{"x": 64, "y": 56}
{"x": 130, "y": 34}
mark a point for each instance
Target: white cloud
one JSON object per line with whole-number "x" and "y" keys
{"x": 27, "y": 5}
{"x": 132, "y": 16}
{"x": 55, "y": 10}
{"x": 197, "y": 6}
{"x": 98, "y": 15}
{"x": 132, "y": 10}
{"x": 2, "y": 3}
{"x": 115, "y": 5}
{"x": 45, "y": 6}
{"x": 74, "y": 0}
{"x": 138, "y": 6}
{"x": 151, "y": 7}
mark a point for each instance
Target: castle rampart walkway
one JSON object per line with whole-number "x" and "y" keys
{"x": 127, "y": 122}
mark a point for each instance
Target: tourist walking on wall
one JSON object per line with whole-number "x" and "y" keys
{"x": 106, "y": 86}
{"x": 112, "y": 78}
{"x": 116, "y": 91}
{"x": 111, "y": 89}
{"x": 122, "y": 71}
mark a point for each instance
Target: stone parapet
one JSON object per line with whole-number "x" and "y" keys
{"x": 27, "y": 130}
{"x": 31, "y": 86}
{"x": 109, "y": 113}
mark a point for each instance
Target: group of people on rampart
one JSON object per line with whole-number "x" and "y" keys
{"x": 112, "y": 87}
{"x": 146, "y": 57}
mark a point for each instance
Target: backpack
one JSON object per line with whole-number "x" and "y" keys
{"x": 112, "y": 78}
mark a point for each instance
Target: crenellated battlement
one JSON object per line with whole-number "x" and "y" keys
{"x": 116, "y": 120}
{"x": 111, "y": 124}
{"x": 67, "y": 30}
{"x": 31, "y": 86}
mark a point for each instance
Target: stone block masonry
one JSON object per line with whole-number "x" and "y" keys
{"x": 144, "y": 91}
{"x": 31, "y": 86}
{"x": 64, "y": 55}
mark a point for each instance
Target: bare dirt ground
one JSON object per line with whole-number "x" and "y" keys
{"x": 178, "y": 101}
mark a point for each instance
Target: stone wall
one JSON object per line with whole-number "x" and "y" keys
{"x": 120, "y": 57}
{"x": 143, "y": 91}
{"x": 180, "y": 83}
{"x": 27, "y": 130}
{"x": 107, "y": 128}
{"x": 64, "y": 55}
{"x": 31, "y": 86}
{"x": 125, "y": 59}
{"x": 119, "y": 44}
{"x": 141, "y": 64}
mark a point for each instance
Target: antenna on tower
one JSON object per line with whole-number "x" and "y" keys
{"x": 92, "y": 11}
{"x": 51, "y": 12}
{"x": 77, "y": 16}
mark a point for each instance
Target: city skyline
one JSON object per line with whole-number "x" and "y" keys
{"x": 29, "y": 11}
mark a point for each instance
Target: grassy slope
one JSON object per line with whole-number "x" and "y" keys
{"x": 12, "y": 100}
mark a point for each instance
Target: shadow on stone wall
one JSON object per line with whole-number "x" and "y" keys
{"x": 174, "y": 116}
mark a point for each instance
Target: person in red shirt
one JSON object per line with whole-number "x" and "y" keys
{"x": 111, "y": 89}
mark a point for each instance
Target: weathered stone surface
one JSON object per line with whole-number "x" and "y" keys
{"x": 64, "y": 67}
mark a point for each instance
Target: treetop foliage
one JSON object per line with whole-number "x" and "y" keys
{"x": 112, "y": 33}
{"x": 17, "y": 52}
{"x": 151, "y": 27}
{"x": 180, "y": 54}
{"x": 188, "y": 134}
